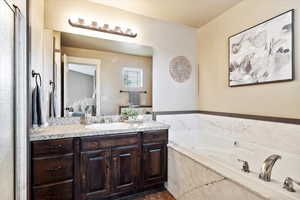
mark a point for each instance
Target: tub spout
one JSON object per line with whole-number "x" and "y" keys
{"x": 267, "y": 167}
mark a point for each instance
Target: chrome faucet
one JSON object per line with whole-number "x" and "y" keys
{"x": 83, "y": 119}
{"x": 245, "y": 167}
{"x": 267, "y": 167}
{"x": 108, "y": 120}
{"x": 288, "y": 184}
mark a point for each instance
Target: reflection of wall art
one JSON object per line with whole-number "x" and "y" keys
{"x": 263, "y": 53}
{"x": 180, "y": 69}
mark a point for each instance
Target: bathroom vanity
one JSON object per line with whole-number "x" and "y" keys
{"x": 73, "y": 162}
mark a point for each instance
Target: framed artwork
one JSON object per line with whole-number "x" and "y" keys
{"x": 263, "y": 53}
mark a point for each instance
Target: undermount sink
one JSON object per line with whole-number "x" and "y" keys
{"x": 109, "y": 126}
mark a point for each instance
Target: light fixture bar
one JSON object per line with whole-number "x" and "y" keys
{"x": 105, "y": 29}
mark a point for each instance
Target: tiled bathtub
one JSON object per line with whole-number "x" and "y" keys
{"x": 203, "y": 158}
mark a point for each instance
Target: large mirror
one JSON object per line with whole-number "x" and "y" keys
{"x": 100, "y": 77}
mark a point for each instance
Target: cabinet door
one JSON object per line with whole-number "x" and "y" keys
{"x": 154, "y": 164}
{"x": 95, "y": 174}
{"x": 125, "y": 168}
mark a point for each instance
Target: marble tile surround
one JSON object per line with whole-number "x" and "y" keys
{"x": 213, "y": 137}
{"x": 189, "y": 180}
{"x": 280, "y": 136}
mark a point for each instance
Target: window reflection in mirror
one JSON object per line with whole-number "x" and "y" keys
{"x": 132, "y": 78}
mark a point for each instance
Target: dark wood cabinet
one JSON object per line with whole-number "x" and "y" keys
{"x": 52, "y": 170}
{"x": 98, "y": 167}
{"x": 95, "y": 174}
{"x": 155, "y": 164}
{"x": 125, "y": 168}
{"x": 57, "y": 191}
{"x": 154, "y": 160}
{"x": 46, "y": 148}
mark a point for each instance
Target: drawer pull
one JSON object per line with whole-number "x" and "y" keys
{"x": 55, "y": 147}
{"x": 54, "y": 169}
{"x": 155, "y": 136}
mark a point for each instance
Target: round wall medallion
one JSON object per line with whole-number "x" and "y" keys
{"x": 180, "y": 69}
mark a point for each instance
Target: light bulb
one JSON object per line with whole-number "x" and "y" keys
{"x": 118, "y": 29}
{"x": 80, "y": 21}
{"x": 106, "y": 27}
{"x": 94, "y": 24}
{"x": 129, "y": 31}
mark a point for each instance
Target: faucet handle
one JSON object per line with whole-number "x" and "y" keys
{"x": 288, "y": 184}
{"x": 245, "y": 165}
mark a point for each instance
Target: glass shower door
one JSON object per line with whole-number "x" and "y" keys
{"x": 6, "y": 101}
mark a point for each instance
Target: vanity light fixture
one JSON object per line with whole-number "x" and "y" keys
{"x": 93, "y": 25}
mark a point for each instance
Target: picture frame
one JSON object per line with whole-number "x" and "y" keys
{"x": 263, "y": 53}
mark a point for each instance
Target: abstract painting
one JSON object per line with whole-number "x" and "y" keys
{"x": 263, "y": 53}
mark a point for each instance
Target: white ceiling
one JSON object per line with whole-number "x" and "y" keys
{"x": 84, "y": 42}
{"x": 193, "y": 13}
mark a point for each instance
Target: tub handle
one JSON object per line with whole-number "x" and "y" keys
{"x": 288, "y": 184}
{"x": 236, "y": 143}
{"x": 245, "y": 167}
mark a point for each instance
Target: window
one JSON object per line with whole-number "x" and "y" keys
{"x": 132, "y": 78}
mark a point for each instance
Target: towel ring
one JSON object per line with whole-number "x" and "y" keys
{"x": 52, "y": 84}
{"x": 37, "y": 76}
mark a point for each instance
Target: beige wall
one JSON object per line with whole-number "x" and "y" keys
{"x": 111, "y": 76}
{"x": 36, "y": 28}
{"x": 277, "y": 99}
{"x": 40, "y": 49}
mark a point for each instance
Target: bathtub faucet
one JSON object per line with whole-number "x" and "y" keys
{"x": 267, "y": 167}
{"x": 245, "y": 166}
{"x": 289, "y": 184}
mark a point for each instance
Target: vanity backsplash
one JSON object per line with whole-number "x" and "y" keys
{"x": 93, "y": 119}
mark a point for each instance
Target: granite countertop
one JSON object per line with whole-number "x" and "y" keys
{"x": 78, "y": 130}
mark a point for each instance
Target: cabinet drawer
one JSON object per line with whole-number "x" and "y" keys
{"x": 61, "y": 191}
{"x": 52, "y": 170}
{"x": 52, "y": 147}
{"x": 94, "y": 143}
{"x": 155, "y": 136}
